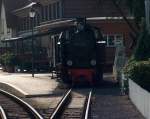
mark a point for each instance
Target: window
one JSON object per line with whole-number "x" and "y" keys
{"x": 54, "y": 11}
{"x": 46, "y": 12}
{"x": 8, "y": 30}
{"x": 105, "y": 38}
{"x": 37, "y": 19}
{"x": 27, "y": 45}
{"x": 28, "y": 23}
{"x": 51, "y": 11}
{"x": 119, "y": 40}
{"x": 58, "y": 9}
{"x": 112, "y": 40}
{"x": 42, "y": 13}
{"x": 24, "y": 24}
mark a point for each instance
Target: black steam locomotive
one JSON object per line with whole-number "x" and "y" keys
{"x": 82, "y": 54}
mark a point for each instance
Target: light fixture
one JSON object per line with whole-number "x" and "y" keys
{"x": 32, "y": 13}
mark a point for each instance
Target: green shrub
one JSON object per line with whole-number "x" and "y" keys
{"x": 8, "y": 59}
{"x": 138, "y": 67}
{"x": 139, "y": 72}
{"x": 129, "y": 67}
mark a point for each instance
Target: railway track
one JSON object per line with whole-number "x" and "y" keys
{"x": 67, "y": 109}
{"x": 12, "y": 107}
{"x": 2, "y": 113}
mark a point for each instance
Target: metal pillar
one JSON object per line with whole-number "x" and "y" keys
{"x": 32, "y": 45}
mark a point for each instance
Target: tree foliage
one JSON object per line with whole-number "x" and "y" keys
{"x": 137, "y": 8}
{"x": 142, "y": 50}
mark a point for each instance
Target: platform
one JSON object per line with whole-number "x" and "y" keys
{"x": 24, "y": 85}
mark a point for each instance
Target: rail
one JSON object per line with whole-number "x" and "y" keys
{"x": 23, "y": 103}
{"x": 59, "y": 108}
{"x": 2, "y": 113}
{"x": 61, "y": 105}
{"x": 88, "y": 103}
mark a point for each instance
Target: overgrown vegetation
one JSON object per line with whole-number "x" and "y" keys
{"x": 8, "y": 59}
{"x": 142, "y": 50}
{"x": 139, "y": 72}
{"x": 8, "y": 62}
{"x": 137, "y": 8}
{"x": 138, "y": 67}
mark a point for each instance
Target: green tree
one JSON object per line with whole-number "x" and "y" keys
{"x": 142, "y": 50}
{"x": 137, "y": 8}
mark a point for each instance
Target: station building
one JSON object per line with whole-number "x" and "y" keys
{"x": 50, "y": 19}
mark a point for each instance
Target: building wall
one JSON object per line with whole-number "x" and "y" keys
{"x": 115, "y": 27}
{"x": 5, "y": 32}
{"x": 92, "y": 8}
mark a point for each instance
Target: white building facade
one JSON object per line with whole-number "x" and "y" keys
{"x": 5, "y": 32}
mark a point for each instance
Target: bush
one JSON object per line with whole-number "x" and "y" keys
{"x": 139, "y": 72}
{"x": 129, "y": 67}
{"x": 8, "y": 59}
{"x": 138, "y": 67}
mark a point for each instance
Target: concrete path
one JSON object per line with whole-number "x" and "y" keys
{"x": 109, "y": 104}
{"x": 26, "y": 85}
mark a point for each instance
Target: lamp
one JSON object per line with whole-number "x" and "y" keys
{"x": 32, "y": 14}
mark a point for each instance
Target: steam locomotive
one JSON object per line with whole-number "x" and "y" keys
{"x": 82, "y": 52}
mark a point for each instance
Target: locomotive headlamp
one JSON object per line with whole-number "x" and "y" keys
{"x": 93, "y": 62}
{"x": 69, "y": 63}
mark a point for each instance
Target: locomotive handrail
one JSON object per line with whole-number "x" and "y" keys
{"x": 60, "y": 105}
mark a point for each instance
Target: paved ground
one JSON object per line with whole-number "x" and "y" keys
{"x": 45, "y": 102}
{"x": 41, "y": 84}
{"x": 42, "y": 92}
{"x": 109, "y": 104}
{"x": 24, "y": 85}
